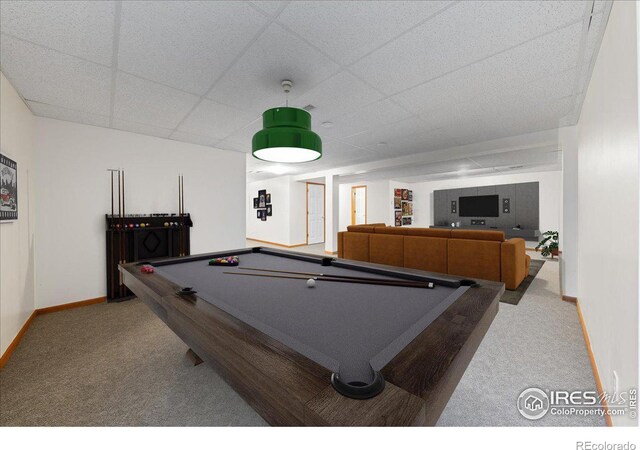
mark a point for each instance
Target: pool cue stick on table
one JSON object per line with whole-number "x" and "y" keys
{"x": 425, "y": 285}
{"x": 312, "y": 274}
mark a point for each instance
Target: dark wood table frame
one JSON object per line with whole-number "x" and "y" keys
{"x": 287, "y": 388}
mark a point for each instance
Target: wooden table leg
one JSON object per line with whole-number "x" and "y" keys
{"x": 194, "y": 358}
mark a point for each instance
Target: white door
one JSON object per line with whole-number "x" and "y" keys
{"x": 358, "y": 205}
{"x": 315, "y": 213}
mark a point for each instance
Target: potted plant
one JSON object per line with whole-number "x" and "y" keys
{"x": 549, "y": 244}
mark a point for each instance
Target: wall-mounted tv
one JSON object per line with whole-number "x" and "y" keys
{"x": 479, "y": 206}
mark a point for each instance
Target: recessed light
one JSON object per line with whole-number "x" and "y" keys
{"x": 382, "y": 144}
{"x": 327, "y": 124}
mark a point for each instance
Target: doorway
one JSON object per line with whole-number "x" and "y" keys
{"x": 315, "y": 213}
{"x": 358, "y": 205}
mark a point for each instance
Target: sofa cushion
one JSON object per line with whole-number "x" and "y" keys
{"x": 474, "y": 259}
{"x": 429, "y": 232}
{"x": 391, "y": 230}
{"x": 425, "y": 253}
{"x": 481, "y": 235}
{"x": 364, "y": 228}
{"x": 386, "y": 249}
{"x": 356, "y": 246}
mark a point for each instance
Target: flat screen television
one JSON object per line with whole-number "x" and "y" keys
{"x": 479, "y": 206}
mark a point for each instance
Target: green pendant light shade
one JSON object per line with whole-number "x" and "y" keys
{"x": 286, "y": 137}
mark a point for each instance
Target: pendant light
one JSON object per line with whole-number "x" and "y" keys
{"x": 286, "y": 136}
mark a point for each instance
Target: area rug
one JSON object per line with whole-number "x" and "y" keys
{"x": 513, "y": 297}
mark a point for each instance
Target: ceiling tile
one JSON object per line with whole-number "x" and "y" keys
{"x": 363, "y": 27}
{"x": 215, "y": 120}
{"x": 230, "y": 144}
{"x": 142, "y": 101}
{"x": 78, "y": 28}
{"x": 186, "y": 45}
{"x": 253, "y": 83}
{"x": 593, "y": 37}
{"x": 388, "y": 134}
{"x": 375, "y": 115}
{"x": 56, "y": 112}
{"x": 518, "y": 157}
{"x": 459, "y": 36}
{"x": 50, "y": 77}
{"x": 341, "y": 94}
{"x": 539, "y": 58}
{"x": 269, "y": 7}
{"x": 141, "y": 128}
{"x": 193, "y": 138}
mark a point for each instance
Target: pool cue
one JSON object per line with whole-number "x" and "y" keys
{"x": 337, "y": 280}
{"x": 346, "y": 277}
{"x": 182, "y": 239}
{"x": 112, "y": 284}
{"x": 124, "y": 236}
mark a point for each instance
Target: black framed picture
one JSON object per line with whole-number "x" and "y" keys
{"x": 8, "y": 188}
{"x": 269, "y": 200}
{"x": 397, "y": 203}
{"x": 405, "y": 194}
{"x": 262, "y": 198}
{"x": 398, "y": 218}
{"x": 406, "y": 221}
{"x": 410, "y": 194}
{"x": 255, "y": 202}
{"x": 263, "y": 216}
{"x": 269, "y": 210}
{"x": 259, "y": 214}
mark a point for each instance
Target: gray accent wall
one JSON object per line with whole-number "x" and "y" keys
{"x": 524, "y": 198}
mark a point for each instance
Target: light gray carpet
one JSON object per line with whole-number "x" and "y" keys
{"x": 112, "y": 364}
{"x": 117, "y": 364}
{"x": 537, "y": 343}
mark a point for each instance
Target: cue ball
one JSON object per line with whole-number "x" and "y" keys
{"x": 311, "y": 283}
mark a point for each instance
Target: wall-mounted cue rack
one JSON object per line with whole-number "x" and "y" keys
{"x": 140, "y": 237}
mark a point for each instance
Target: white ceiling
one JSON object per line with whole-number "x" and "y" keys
{"x": 394, "y": 78}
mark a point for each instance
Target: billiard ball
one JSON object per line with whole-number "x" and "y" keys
{"x": 311, "y": 283}
{"x": 166, "y": 224}
{"x": 142, "y": 225}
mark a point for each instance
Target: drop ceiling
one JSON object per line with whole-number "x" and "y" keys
{"x": 392, "y": 78}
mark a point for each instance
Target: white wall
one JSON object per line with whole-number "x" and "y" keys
{"x": 378, "y": 197}
{"x": 288, "y": 224}
{"x": 16, "y": 238}
{"x": 276, "y": 228}
{"x": 72, "y": 188}
{"x": 568, "y": 139}
{"x": 550, "y": 195}
{"x": 608, "y": 204}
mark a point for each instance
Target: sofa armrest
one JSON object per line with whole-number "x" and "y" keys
{"x": 513, "y": 262}
{"x": 341, "y": 244}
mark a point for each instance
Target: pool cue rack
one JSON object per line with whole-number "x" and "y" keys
{"x": 140, "y": 237}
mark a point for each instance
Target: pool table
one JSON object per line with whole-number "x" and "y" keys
{"x": 378, "y": 345}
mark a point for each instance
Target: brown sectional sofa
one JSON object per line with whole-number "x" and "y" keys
{"x": 480, "y": 254}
